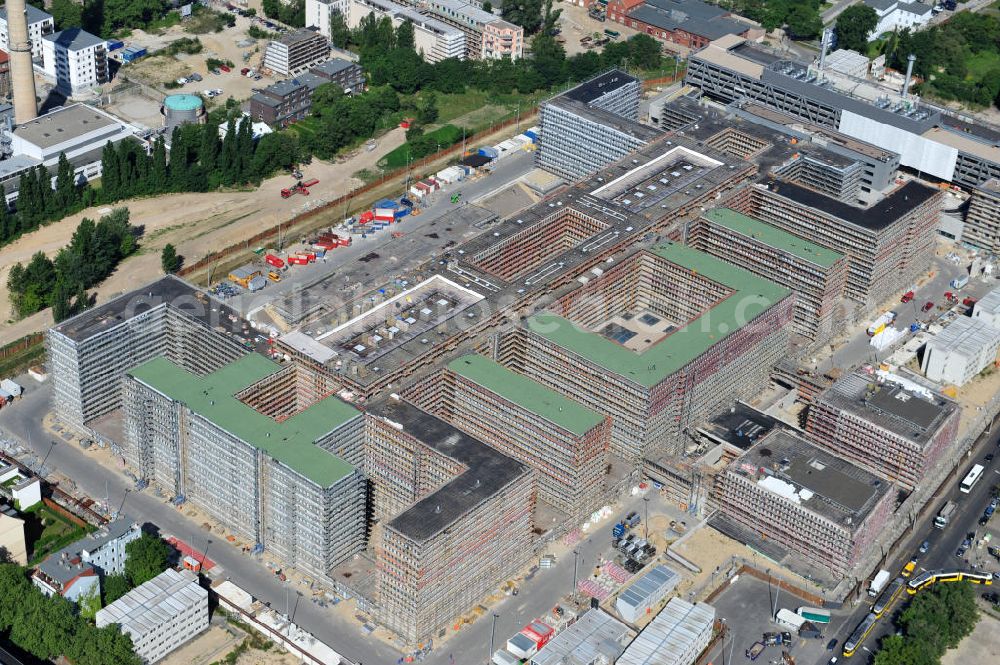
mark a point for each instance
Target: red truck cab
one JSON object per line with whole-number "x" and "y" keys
{"x": 907, "y": 297}
{"x": 927, "y": 306}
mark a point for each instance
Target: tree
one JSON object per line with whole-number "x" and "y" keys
{"x": 404, "y": 36}
{"x": 169, "y": 260}
{"x": 90, "y": 602}
{"x": 66, "y": 192}
{"x": 645, "y": 52}
{"x": 803, "y": 22}
{"x": 525, "y": 13}
{"x": 340, "y": 34}
{"x": 427, "y": 112}
{"x": 488, "y": 6}
{"x": 114, "y": 587}
{"x": 147, "y": 557}
{"x": 66, "y": 14}
{"x": 853, "y": 27}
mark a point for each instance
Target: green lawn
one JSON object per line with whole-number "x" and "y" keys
{"x": 47, "y": 531}
{"x": 982, "y": 62}
{"x": 399, "y": 157}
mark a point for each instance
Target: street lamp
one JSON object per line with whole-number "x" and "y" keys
{"x": 645, "y": 516}
{"x": 493, "y": 634}
{"x": 576, "y": 555}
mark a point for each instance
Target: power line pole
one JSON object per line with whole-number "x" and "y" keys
{"x": 576, "y": 556}
{"x": 493, "y": 634}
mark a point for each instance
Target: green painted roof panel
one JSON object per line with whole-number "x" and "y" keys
{"x": 752, "y": 296}
{"x": 291, "y": 442}
{"x": 773, "y": 236}
{"x": 527, "y": 393}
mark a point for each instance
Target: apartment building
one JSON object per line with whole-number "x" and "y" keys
{"x": 289, "y": 101}
{"x": 896, "y": 15}
{"x": 564, "y": 442}
{"x": 961, "y": 351}
{"x": 487, "y": 36}
{"x": 982, "y": 220}
{"x": 296, "y": 52}
{"x": 344, "y": 73}
{"x": 40, "y": 23}
{"x": 90, "y": 353}
{"x": 887, "y": 245}
{"x": 319, "y": 13}
{"x": 830, "y": 174}
{"x": 267, "y": 450}
{"x": 816, "y": 274}
{"x": 5, "y": 87}
{"x": 434, "y": 39}
{"x": 893, "y": 427}
{"x": 160, "y": 615}
{"x": 823, "y": 508}
{"x": 76, "y": 60}
{"x": 591, "y": 126}
{"x": 658, "y": 341}
{"x": 469, "y": 524}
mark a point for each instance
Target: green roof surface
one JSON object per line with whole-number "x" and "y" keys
{"x": 773, "y": 236}
{"x": 527, "y": 393}
{"x": 753, "y": 296}
{"x": 290, "y": 442}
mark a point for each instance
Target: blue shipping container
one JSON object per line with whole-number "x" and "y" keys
{"x": 531, "y": 135}
{"x": 386, "y": 203}
{"x": 132, "y": 53}
{"x": 402, "y": 212}
{"x": 114, "y": 45}
{"x": 487, "y": 151}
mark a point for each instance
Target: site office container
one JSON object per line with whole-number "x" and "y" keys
{"x": 273, "y": 260}
{"x": 309, "y": 256}
{"x": 297, "y": 260}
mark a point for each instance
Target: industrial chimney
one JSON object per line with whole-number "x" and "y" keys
{"x": 22, "y": 76}
{"x": 910, "y": 59}
{"x": 824, "y": 46}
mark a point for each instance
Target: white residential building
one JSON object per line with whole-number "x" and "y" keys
{"x": 960, "y": 351}
{"x": 319, "y": 13}
{"x": 160, "y": 615}
{"x": 988, "y": 308}
{"x": 896, "y": 15}
{"x": 434, "y": 39}
{"x": 105, "y": 549}
{"x": 75, "y": 59}
{"x": 39, "y": 24}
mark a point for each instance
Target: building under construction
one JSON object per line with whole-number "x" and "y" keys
{"x": 658, "y": 341}
{"x": 816, "y": 274}
{"x": 790, "y": 492}
{"x": 893, "y": 426}
{"x": 262, "y": 448}
{"x": 564, "y": 442}
{"x": 90, "y": 353}
{"x": 982, "y": 221}
{"x": 466, "y": 527}
{"x": 887, "y": 245}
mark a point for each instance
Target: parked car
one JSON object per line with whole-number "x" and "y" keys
{"x": 181, "y": 81}
{"x": 225, "y": 68}
{"x": 925, "y": 546}
{"x": 194, "y": 76}
{"x": 927, "y": 306}
{"x": 831, "y": 645}
{"x": 907, "y": 297}
{"x": 989, "y": 457}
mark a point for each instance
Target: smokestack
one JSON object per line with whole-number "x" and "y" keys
{"x": 823, "y": 46}
{"x": 910, "y": 59}
{"x": 22, "y": 76}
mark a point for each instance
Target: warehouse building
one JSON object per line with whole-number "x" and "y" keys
{"x": 592, "y": 126}
{"x": 564, "y": 442}
{"x": 596, "y": 637}
{"x": 90, "y": 352}
{"x": 160, "y": 615}
{"x": 690, "y": 23}
{"x": 961, "y": 351}
{"x": 468, "y": 529}
{"x": 433, "y": 38}
{"x": 816, "y": 274}
{"x": 982, "y": 220}
{"x": 296, "y": 52}
{"x": 264, "y": 449}
{"x": 813, "y": 503}
{"x": 677, "y": 636}
{"x": 887, "y": 245}
{"x": 659, "y": 341}
{"x": 930, "y": 140}
{"x": 645, "y": 593}
{"x": 889, "y": 425}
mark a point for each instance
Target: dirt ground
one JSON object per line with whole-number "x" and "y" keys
{"x": 576, "y": 24}
{"x": 216, "y": 643}
{"x": 982, "y": 646}
{"x": 194, "y": 223}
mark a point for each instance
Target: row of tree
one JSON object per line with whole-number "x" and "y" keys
{"x": 943, "y": 53}
{"x": 800, "y": 18}
{"x": 934, "y": 622}
{"x": 92, "y": 255}
{"x": 39, "y": 202}
{"x": 105, "y": 17}
{"x": 48, "y": 628}
{"x": 292, "y": 12}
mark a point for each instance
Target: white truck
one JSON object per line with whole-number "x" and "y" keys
{"x": 879, "y": 583}
{"x": 789, "y": 619}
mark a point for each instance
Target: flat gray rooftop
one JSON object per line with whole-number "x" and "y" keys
{"x": 822, "y": 482}
{"x": 169, "y": 290}
{"x": 63, "y": 125}
{"x": 880, "y": 216}
{"x": 742, "y": 426}
{"x": 599, "y": 86}
{"x": 903, "y": 412}
{"x": 487, "y": 470}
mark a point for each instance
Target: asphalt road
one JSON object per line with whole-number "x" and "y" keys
{"x": 943, "y": 542}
